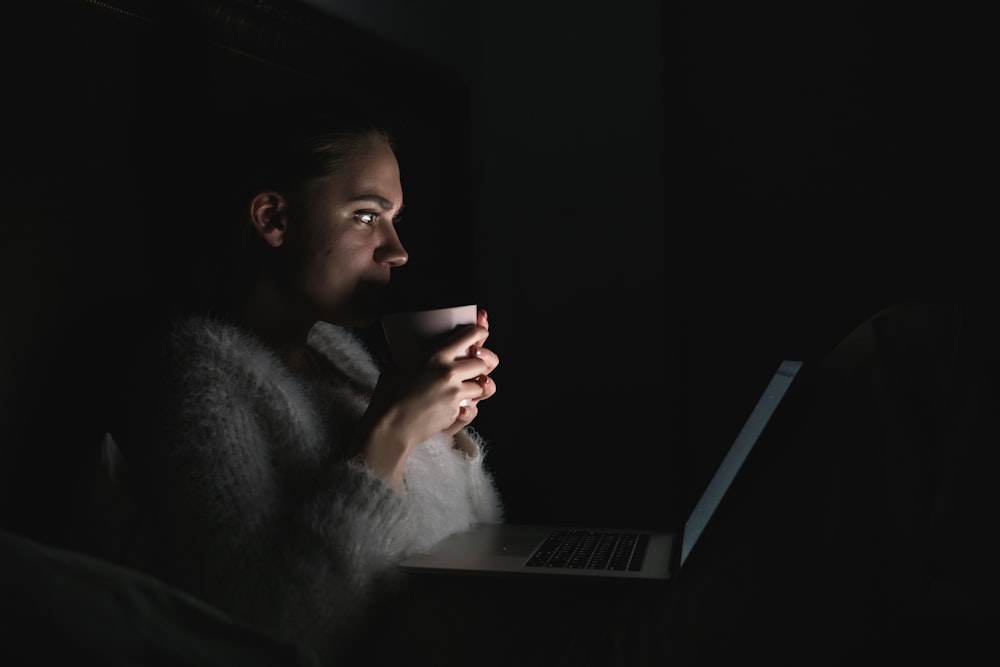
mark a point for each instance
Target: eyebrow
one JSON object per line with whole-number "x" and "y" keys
{"x": 380, "y": 201}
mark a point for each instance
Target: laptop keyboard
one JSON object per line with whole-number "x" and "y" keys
{"x": 591, "y": 550}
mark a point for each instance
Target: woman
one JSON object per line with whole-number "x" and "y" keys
{"x": 277, "y": 473}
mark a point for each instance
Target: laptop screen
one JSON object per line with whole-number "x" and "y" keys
{"x": 737, "y": 454}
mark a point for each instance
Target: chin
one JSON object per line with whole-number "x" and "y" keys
{"x": 361, "y": 313}
{"x": 367, "y": 305}
{"x": 365, "y": 320}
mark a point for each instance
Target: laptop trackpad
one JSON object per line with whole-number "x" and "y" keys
{"x": 515, "y": 545}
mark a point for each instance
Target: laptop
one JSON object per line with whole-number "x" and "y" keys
{"x": 570, "y": 551}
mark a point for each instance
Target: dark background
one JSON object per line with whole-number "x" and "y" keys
{"x": 654, "y": 200}
{"x": 671, "y": 195}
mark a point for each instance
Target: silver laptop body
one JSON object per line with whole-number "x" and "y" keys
{"x": 508, "y": 549}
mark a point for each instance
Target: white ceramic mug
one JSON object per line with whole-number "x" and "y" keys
{"x": 410, "y": 334}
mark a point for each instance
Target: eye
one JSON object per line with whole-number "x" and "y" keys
{"x": 367, "y": 217}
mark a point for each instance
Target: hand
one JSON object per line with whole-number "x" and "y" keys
{"x": 443, "y": 395}
{"x": 468, "y": 412}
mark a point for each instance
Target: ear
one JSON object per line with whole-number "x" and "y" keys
{"x": 269, "y": 216}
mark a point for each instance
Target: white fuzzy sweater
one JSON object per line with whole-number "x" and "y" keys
{"x": 249, "y": 497}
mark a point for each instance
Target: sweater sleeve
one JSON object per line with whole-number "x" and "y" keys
{"x": 483, "y": 493}
{"x": 448, "y": 489}
{"x": 227, "y": 465}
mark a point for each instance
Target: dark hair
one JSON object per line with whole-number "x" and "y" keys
{"x": 288, "y": 161}
{"x": 286, "y": 145}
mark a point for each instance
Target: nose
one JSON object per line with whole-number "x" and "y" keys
{"x": 391, "y": 250}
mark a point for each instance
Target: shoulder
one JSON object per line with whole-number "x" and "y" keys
{"x": 200, "y": 333}
{"x": 193, "y": 354}
{"x": 208, "y": 343}
{"x": 346, "y": 350}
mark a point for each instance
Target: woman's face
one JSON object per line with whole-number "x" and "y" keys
{"x": 346, "y": 243}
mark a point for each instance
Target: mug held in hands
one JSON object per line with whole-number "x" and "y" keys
{"x": 411, "y": 335}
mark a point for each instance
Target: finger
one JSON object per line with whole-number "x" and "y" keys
{"x": 488, "y": 386}
{"x": 470, "y": 369}
{"x": 472, "y": 391}
{"x": 488, "y": 357}
{"x": 473, "y": 335}
{"x": 482, "y": 319}
{"x": 464, "y": 343}
{"x": 466, "y": 414}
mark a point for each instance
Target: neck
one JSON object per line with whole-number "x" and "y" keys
{"x": 266, "y": 311}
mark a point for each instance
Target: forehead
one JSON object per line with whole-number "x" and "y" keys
{"x": 370, "y": 170}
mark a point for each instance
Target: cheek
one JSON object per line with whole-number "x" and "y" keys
{"x": 339, "y": 252}
{"x": 323, "y": 260}
{"x": 321, "y": 248}
{"x": 332, "y": 261}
